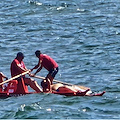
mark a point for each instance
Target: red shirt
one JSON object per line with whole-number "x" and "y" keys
{"x": 14, "y": 68}
{"x": 47, "y": 62}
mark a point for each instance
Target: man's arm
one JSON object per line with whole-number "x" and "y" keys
{"x": 38, "y": 70}
{"x": 39, "y": 62}
{"x": 21, "y": 68}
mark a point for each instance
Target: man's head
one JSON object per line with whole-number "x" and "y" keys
{"x": 20, "y": 56}
{"x": 37, "y": 53}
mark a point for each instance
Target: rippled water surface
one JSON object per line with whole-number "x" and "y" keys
{"x": 83, "y": 36}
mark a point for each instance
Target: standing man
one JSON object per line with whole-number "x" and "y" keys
{"x": 49, "y": 64}
{"x": 18, "y": 67}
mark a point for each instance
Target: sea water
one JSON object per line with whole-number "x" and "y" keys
{"x": 82, "y": 36}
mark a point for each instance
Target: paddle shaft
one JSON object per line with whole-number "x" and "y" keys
{"x": 54, "y": 80}
{"x": 14, "y": 77}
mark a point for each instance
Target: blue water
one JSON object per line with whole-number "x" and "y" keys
{"x": 82, "y": 36}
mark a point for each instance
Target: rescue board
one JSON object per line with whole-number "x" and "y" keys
{"x": 18, "y": 88}
{"x": 82, "y": 91}
{"x": 78, "y": 93}
{"x": 85, "y": 91}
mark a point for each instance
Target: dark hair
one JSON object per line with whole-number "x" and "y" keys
{"x": 20, "y": 54}
{"x": 37, "y": 53}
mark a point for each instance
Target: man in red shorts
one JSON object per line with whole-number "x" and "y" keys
{"x": 49, "y": 64}
{"x": 18, "y": 67}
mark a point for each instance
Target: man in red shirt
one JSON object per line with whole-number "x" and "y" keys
{"x": 18, "y": 67}
{"x": 48, "y": 63}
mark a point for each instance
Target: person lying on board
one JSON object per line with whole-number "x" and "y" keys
{"x": 48, "y": 63}
{"x": 76, "y": 89}
{"x": 17, "y": 67}
{"x": 59, "y": 87}
{"x": 2, "y": 76}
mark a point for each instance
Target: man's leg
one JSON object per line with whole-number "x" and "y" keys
{"x": 49, "y": 77}
{"x": 33, "y": 84}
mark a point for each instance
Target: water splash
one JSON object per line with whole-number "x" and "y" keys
{"x": 35, "y": 2}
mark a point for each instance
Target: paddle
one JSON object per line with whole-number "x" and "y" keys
{"x": 15, "y": 77}
{"x": 81, "y": 87}
{"x": 39, "y": 77}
